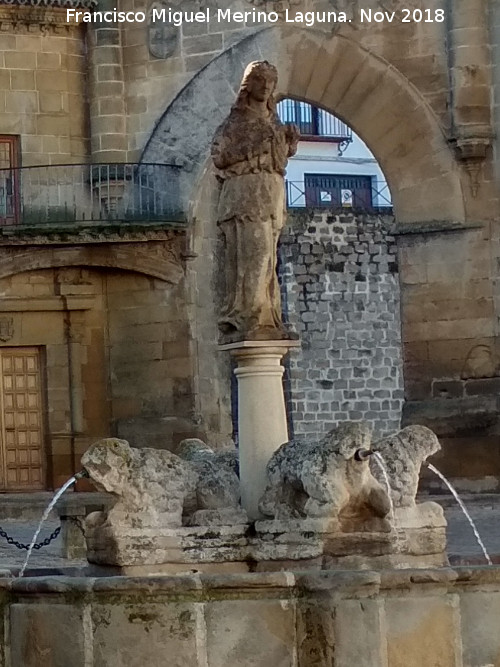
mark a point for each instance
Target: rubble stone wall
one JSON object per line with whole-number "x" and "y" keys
{"x": 340, "y": 285}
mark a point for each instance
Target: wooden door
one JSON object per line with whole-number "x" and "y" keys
{"x": 21, "y": 411}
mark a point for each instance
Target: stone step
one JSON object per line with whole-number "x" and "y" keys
{"x": 31, "y": 506}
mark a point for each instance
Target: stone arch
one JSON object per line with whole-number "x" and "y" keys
{"x": 333, "y": 72}
{"x": 127, "y": 258}
{"x": 338, "y": 74}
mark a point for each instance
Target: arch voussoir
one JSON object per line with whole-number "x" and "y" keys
{"x": 336, "y": 73}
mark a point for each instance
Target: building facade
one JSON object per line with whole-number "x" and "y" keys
{"x": 108, "y": 240}
{"x": 333, "y": 168}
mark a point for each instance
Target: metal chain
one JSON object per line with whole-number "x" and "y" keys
{"x": 78, "y": 523}
{"x": 39, "y": 545}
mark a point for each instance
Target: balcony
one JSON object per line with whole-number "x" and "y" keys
{"x": 361, "y": 193}
{"x": 89, "y": 194}
{"x": 314, "y": 124}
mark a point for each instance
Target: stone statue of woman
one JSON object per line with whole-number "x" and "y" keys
{"x": 250, "y": 151}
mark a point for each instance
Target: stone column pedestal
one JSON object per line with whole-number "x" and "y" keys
{"x": 262, "y": 423}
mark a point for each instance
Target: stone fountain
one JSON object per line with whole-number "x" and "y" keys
{"x": 323, "y": 507}
{"x": 293, "y": 554}
{"x": 276, "y": 504}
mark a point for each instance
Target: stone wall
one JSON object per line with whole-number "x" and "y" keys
{"x": 115, "y": 343}
{"x": 452, "y": 366}
{"x": 43, "y": 87}
{"x": 406, "y": 618}
{"x": 150, "y": 363}
{"x": 340, "y": 284}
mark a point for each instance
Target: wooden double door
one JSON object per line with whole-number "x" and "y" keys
{"x": 22, "y": 458}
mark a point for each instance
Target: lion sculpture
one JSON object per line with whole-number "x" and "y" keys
{"x": 217, "y": 494}
{"x": 403, "y": 455}
{"x": 151, "y": 485}
{"x": 158, "y": 489}
{"x": 325, "y": 479}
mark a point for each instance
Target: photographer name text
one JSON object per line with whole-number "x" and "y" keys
{"x": 254, "y": 16}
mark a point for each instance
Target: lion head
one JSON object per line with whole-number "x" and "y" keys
{"x": 347, "y": 438}
{"x": 107, "y": 463}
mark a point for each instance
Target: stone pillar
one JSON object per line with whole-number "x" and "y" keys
{"x": 262, "y": 423}
{"x": 107, "y": 91}
{"x": 75, "y": 336}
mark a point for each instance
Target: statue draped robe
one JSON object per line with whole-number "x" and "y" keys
{"x": 250, "y": 152}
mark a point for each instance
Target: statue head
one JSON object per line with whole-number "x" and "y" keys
{"x": 259, "y": 81}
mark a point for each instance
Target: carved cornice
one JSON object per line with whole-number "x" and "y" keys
{"x": 31, "y": 15}
{"x": 84, "y": 4}
{"x": 158, "y": 259}
{"x": 84, "y": 235}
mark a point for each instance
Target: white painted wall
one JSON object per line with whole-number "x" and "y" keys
{"x": 316, "y": 157}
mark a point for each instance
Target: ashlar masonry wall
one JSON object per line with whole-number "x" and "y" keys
{"x": 340, "y": 288}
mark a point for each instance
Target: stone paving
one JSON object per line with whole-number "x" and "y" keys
{"x": 23, "y": 531}
{"x": 462, "y": 545}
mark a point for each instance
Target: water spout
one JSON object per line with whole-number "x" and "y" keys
{"x": 463, "y": 508}
{"x": 44, "y": 518}
{"x": 362, "y": 454}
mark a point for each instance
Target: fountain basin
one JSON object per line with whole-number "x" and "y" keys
{"x": 392, "y": 618}
{"x": 417, "y": 538}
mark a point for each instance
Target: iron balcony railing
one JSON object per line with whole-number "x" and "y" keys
{"x": 90, "y": 193}
{"x": 375, "y": 196}
{"x": 313, "y": 122}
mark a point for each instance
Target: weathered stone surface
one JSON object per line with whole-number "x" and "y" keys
{"x": 315, "y": 632}
{"x": 323, "y": 479}
{"x": 46, "y": 635}
{"x": 423, "y": 631}
{"x": 217, "y": 494}
{"x": 421, "y": 533}
{"x": 403, "y": 455}
{"x": 420, "y": 618}
{"x": 421, "y": 515}
{"x": 358, "y": 630}
{"x": 479, "y": 612}
{"x": 345, "y": 306}
{"x": 153, "y": 546}
{"x": 138, "y": 633}
{"x": 453, "y": 416}
{"x": 260, "y": 635}
{"x": 250, "y": 151}
{"x": 151, "y": 486}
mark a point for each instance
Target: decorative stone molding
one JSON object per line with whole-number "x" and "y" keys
{"x": 85, "y": 4}
{"x": 278, "y": 6}
{"x": 44, "y": 304}
{"x": 15, "y": 18}
{"x": 83, "y": 235}
{"x": 471, "y": 151}
{"x": 159, "y": 260}
{"x": 163, "y": 38}
{"x": 350, "y": 7}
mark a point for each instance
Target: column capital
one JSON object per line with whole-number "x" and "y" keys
{"x": 258, "y": 347}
